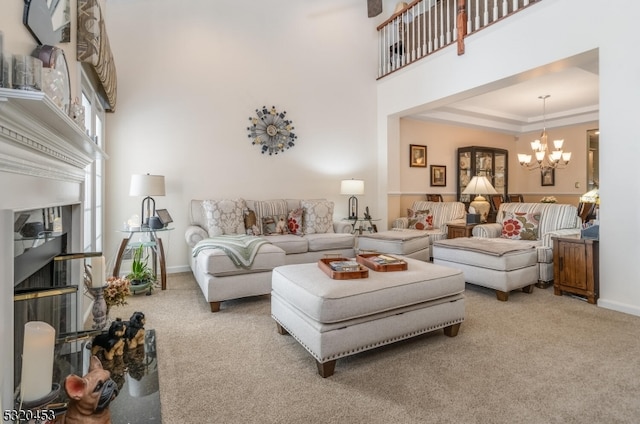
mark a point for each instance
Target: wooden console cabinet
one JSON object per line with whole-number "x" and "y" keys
{"x": 575, "y": 267}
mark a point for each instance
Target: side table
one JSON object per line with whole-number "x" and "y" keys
{"x": 459, "y": 230}
{"x": 575, "y": 267}
{"x": 359, "y": 227}
{"x": 154, "y": 243}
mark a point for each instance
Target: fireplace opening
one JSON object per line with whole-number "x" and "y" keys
{"x": 45, "y": 287}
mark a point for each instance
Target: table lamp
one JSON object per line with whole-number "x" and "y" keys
{"x": 480, "y": 186}
{"x": 351, "y": 188}
{"x": 147, "y": 185}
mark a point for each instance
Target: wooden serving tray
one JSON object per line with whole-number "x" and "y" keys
{"x": 323, "y": 264}
{"x": 364, "y": 259}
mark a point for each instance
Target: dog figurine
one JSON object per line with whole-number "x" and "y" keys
{"x": 111, "y": 342}
{"x": 134, "y": 334}
{"x": 89, "y": 396}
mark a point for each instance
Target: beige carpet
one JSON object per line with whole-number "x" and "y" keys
{"x": 538, "y": 358}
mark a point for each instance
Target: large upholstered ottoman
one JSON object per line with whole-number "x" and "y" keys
{"x": 500, "y": 264}
{"x": 407, "y": 242}
{"x": 336, "y": 318}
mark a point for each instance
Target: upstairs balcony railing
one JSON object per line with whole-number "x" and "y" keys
{"x": 425, "y": 26}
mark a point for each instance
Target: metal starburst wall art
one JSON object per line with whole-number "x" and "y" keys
{"x": 271, "y": 130}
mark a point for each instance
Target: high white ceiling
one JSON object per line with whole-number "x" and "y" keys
{"x": 515, "y": 107}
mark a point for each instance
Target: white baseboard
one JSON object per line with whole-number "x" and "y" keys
{"x": 178, "y": 269}
{"x": 620, "y": 307}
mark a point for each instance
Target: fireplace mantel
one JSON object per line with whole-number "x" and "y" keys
{"x": 37, "y": 138}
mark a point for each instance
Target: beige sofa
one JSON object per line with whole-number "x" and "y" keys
{"x": 221, "y": 279}
{"x": 407, "y": 238}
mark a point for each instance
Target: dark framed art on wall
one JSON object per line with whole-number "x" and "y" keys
{"x": 417, "y": 155}
{"x": 438, "y": 175}
{"x": 548, "y": 177}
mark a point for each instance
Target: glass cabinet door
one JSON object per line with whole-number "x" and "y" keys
{"x": 464, "y": 174}
{"x": 482, "y": 161}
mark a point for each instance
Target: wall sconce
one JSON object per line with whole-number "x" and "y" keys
{"x": 147, "y": 185}
{"x": 351, "y": 188}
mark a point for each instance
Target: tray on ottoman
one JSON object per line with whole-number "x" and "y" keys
{"x": 381, "y": 263}
{"x": 325, "y": 265}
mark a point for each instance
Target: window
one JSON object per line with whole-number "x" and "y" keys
{"x": 94, "y": 116}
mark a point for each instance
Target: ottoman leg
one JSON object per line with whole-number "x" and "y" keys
{"x": 502, "y": 296}
{"x": 452, "y": 330}
{"x": 281, "y": 329}
{"x": 528, "y": 289}
{"x": 215, "y": 306}
{"x": 326, "y": 369}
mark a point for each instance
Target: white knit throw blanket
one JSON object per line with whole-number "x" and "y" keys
{"x": 241, "y": 249}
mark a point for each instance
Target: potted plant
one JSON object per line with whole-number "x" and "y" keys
{"x": 141, "y": 275}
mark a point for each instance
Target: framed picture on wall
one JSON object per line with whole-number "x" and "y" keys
{"x": 548, "y": 177}
{"x": 418, "y": 155}
{"x": 438, "y": 175}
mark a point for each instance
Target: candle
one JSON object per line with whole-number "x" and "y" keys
{"x": 37, "y": 360}
{"x": 97, "y": 271}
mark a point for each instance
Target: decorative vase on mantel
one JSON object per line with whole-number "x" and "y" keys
{"x": 100, "y": 309}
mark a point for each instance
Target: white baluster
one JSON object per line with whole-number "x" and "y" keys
{"x": 477, "y": 15}
{"x": 430, "y": 31}
{"x": 469, "y": 25}
{"x": 485, "y": 21}
{"x": 495, "y": 11}
{"x": 526, "y": 2}
{"x": 441, "y": 25}
{"x": 448, "y": 21}
{"x": 515, "y": 5}
{"x": 424, "y": 28}
{"x": 505, "y": 8}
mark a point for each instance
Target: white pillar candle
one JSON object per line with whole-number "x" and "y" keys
{"x": 97, "y": 271}
{"x": 37, "y": 360}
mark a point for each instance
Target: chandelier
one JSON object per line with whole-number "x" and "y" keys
{"x": 545, "y": 160}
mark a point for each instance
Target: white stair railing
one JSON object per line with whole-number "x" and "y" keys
{"x": 425, "y": 26}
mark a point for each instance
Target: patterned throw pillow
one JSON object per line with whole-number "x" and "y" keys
{"x": 421, "y": 221}
{"x": 520, "y": 225}
{"x": 251, "y": 223}
{"x": 267, "y": 208}
{"x": 412, "y": 214}
{"x": 224, "y": 216}
{"x": 317, "y": 216}
{"x": 274, "y": 225}
{"x": 294, "y": 222}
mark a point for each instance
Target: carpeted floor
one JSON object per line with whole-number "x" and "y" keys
{"x": 538, "y": 358}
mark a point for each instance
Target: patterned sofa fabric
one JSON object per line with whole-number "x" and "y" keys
{"x": 443, "y": 212}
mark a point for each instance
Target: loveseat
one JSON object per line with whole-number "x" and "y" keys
{"x": 285, "y": 231}
{"x": 514, "y": 252}
{"x": 413, "y": 235}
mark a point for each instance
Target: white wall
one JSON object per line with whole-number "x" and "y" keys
{"x": 546, "y": 33}
{"x": 191, "y": 76}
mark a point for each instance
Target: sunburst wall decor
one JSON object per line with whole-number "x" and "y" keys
{"x": 271, "y": 130}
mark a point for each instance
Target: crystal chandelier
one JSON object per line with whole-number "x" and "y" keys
{"x": 545, "y": 160}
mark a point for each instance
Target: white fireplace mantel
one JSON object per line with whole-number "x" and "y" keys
{"x": 43, "y": 160}
{"x": 37, "y": 138}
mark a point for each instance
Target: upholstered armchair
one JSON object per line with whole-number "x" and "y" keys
{"x": 537, "y": 222}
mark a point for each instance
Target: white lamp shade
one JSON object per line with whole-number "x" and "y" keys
{"x": 479, "y": 185}
{"x": 352, "y": 187}
{"x": 146, "y": 185}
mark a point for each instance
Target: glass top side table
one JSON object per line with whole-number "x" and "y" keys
{"x": 154, "y": 243}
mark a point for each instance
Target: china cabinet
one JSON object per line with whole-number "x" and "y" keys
{"x": 482, "y": 161}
